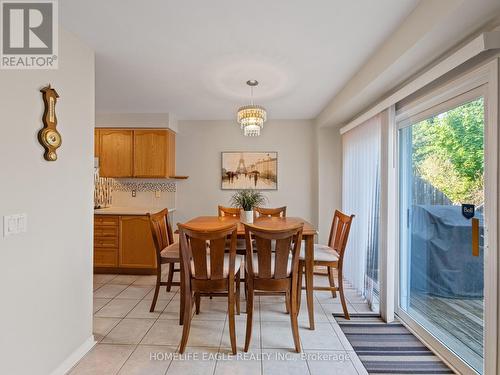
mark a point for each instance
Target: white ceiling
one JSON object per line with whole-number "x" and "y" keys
{"x": 192, "y": 58}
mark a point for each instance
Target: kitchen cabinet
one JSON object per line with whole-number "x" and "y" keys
{"x": 116, "y": 153}
{"x": 106, "y": 241}
{"x": 136, "y": 248}
{"x": 123, "y": 244}
{"x": 97, "y": 142}
{"x": 154, "y": 153}
{"x": 146, "y": 153}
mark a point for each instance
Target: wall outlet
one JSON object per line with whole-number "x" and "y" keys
{"x": 134, "y": 193}
{"x": 157, "y": 193}
{"x": 15, "y": 224}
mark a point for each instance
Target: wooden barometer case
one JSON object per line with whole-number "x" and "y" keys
{"x": 49, "y": 137}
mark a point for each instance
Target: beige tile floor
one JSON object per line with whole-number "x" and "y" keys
{"x": 131, "y": 340}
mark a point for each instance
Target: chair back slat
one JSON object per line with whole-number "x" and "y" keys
{"x": 228, "y": 211}
{"x": 270, "y": 212}
{"x": 217, "y": 249}
{"x": 282, "y": 254}
{"x": 339, "y": 232}
{"x": 286, "y": 241}
{"x": 264, "y": 257}
{"x": 161, "y": 230}
{"x": 204, "y": 250}
{"x": 199, "y": 255}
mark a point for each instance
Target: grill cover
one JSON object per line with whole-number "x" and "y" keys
{"x": 441, "y": 253}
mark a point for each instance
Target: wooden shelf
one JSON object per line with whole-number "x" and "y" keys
{"x": 179, "y": 177}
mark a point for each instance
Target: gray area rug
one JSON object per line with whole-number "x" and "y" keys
{"x": 389, "y": 348}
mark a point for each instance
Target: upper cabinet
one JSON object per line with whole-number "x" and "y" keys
{"x": 154, "y": 153}
{"x": 146, "y": 153}
{"x": 116, "y": 153}
{"x": 97, "y": 142}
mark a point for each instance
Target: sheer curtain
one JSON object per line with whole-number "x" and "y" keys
{"x": 361, "y": 197}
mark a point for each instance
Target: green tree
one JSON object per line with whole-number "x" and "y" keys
{"x": 448, "y": 152}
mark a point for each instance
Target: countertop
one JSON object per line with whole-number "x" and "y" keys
{"x": 128, "y": 210}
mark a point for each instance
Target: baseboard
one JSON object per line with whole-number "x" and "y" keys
{"x": 74, "y": 357}
{"x": 358, "y": 315}
{"x": 126, "y": 271}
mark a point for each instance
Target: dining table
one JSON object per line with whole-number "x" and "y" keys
{"x": 308, "y": 233}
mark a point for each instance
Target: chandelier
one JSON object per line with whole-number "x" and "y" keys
{"x": 252, "y": 117}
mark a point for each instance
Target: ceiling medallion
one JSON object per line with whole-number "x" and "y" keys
{"x": 252, "y": 117}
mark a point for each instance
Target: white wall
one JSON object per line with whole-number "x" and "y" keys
{"x": 199, "y": 145}
{"x": 46, "y": 273}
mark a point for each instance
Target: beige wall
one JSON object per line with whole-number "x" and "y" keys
{"x": 46, "y": 276}
{"x": 426, "y": 36}
{"x": 199, "y": 146}
{"x": 136, "y": 120}
{"x": 329, "y": 178}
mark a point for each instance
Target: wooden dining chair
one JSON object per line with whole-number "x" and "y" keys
{"x": 167, "y": 251}
{"x": 332, "y": 257}
{"x": 275, "y": 272}
{"x": 229, "y": 211}
{"x": 209, "y": 270}
{"x": 269, "y": 212}
{"x": 233, "y": 212}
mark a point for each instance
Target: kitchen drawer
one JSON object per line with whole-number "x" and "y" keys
{"x": 105, "y": 220}
{"x": 106, "y": 242}
{"x": 105, "y": 231}
{"x": 105, "y": 257}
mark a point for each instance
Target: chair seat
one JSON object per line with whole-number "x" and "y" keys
{"x": 256, "y": 265}
{"x": 225, "y": 272}
{"x": 241, "y": 244}
{"x": 176, "y": 237}
{"x": 171, "y": 251}
{"x": 322, "y": 253}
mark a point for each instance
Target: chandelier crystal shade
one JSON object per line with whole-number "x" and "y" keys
{"x": 252, "y": 117}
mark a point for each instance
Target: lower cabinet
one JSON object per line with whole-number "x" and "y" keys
{"x": 136, "y": 243}
{"x": 123, "y": 244}
{"x": 105, "y": 258}
{"x": 106, "y": 241}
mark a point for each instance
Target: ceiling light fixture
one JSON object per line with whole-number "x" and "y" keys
{"x": 252, "y": 117}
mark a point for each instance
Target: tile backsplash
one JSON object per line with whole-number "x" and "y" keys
{"x": 123, "y": 184}
{"x": 148, "y": 193}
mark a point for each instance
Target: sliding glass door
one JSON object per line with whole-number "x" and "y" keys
{"x": 441, "y": 218}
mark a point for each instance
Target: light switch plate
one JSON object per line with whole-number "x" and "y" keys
{"x": 9, "y": 225}
{"x": 22, "y": 223}
{"x": 157, "y": 193}
{"x": 14, "y": 224}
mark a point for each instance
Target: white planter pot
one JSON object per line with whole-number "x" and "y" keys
{"x": 246, "y": 217}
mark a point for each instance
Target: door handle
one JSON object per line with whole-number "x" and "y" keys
{"x": 475, "y": 237}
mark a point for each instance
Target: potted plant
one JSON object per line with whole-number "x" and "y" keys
{"x": 247, "y": 200}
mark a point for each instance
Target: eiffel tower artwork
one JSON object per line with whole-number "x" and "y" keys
{"x": 242, "y": 169}
{"x": 249, "y": 170}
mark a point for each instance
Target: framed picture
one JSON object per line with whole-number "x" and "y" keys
{"x": 249, "y": 170}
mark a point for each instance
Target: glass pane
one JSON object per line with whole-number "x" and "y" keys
{"x": 441, "y": 281}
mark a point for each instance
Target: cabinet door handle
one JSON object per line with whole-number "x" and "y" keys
{"x": 475, "y": 237}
